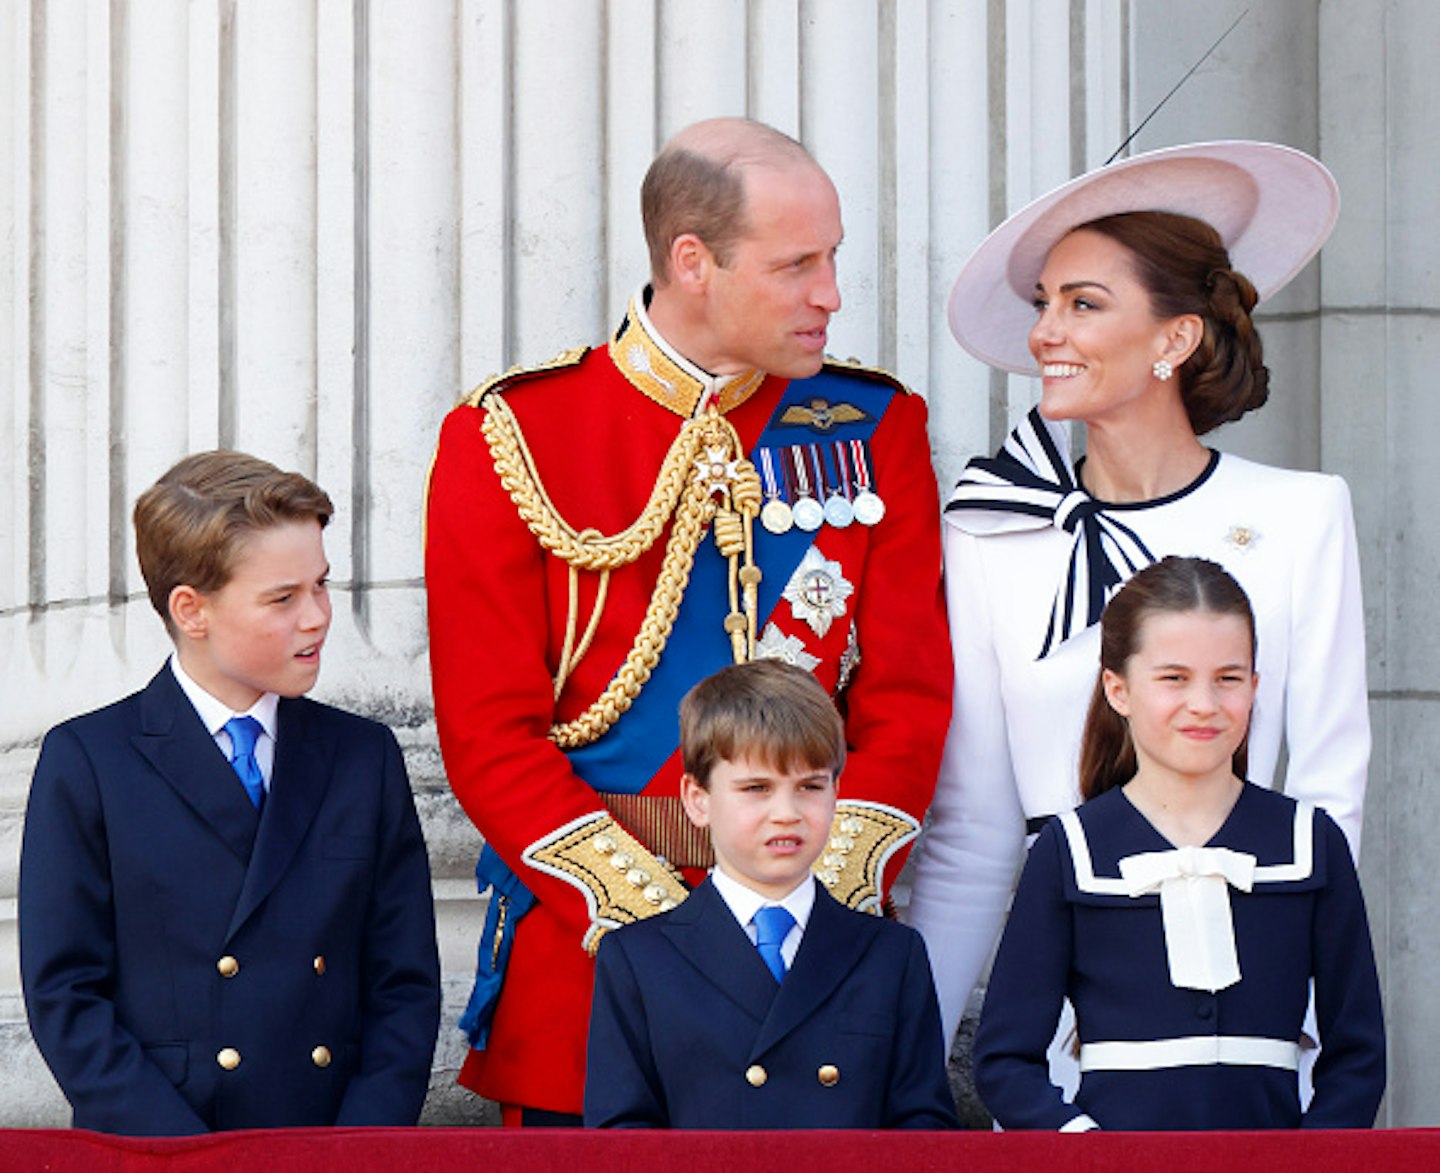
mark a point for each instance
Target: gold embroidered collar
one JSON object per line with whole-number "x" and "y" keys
{"x": 661, "y": 373}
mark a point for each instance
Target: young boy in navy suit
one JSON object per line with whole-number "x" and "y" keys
{"x": 760, "y": 1001}
{"x": 209, "y": 943}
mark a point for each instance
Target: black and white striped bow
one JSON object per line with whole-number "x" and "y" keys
{"x": 1031, "y": 481}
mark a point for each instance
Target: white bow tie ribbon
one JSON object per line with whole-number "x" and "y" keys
{"x": 1194, "y": 885}
{"x": 1028, "y": 485}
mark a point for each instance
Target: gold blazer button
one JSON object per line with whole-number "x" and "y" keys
{"x": 320, "y": 966}
{"x": 228, "y": 1058}
{"x": 828, "y": 1075}
{"x": 227, "y": 966}
{"x": 756, "y": 1076}
{"x": 320, "y": 1056}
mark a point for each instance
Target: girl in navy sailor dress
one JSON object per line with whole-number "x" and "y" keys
{"x": 1183, "y": 911}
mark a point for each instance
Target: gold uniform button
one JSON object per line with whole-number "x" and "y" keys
{"x": 227, "y": 966}
{"x": 228, "y": 1058}
{"x": 320, "y": 1056}
{"x": 320, "y": 965}
{"x": 756, "y": 1076}
{"x": 828, "y": 1075}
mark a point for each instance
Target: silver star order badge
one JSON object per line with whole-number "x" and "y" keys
{"x": 776, "y": 645}
{"x": 817, "y": 591}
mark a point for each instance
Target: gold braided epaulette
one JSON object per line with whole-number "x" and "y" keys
{"x": 622, "y": 881}
{"x": 854, "y": 366}
{"x": 517, "y": 374}
{"x": 863, "y": 837}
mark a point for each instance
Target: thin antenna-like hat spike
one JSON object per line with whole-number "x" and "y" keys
{"x": 1203, "y": 58}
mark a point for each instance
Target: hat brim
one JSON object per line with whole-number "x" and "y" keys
{"x": 1273, "y": 206}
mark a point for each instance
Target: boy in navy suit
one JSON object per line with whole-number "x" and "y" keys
{"x": 760, "y": 1001}
{"x": 209, "y": 943}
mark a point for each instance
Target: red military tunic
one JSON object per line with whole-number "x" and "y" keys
{"x": 598, "y": 426}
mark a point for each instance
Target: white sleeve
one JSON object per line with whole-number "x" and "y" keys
{"x": 1327, "y": 719}
{"x": 972, "y": 844}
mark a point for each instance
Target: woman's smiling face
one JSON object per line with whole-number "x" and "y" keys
{"x": 1096, "y": 337}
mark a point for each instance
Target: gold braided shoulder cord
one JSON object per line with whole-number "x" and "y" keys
{"x": 705, "y": 462}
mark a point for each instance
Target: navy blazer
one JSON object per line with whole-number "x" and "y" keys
{"x": 190, "y": 964}
{"x": 689, "y": 1030}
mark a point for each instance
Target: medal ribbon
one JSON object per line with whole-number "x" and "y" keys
{"x": 802, "y": 475}
{"x": 844, "y": 466}
{"x": 822, "y": 482}
{"x": 767, "y": 473}
{"x": 862, "y": 464}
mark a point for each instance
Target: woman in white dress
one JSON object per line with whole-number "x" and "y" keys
{"x": 1129, "y": 292}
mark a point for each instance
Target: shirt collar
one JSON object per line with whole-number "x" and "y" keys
{"x": 214, "y": 713}
{"x": 663, "y": 374}
{"x": 744, "y": 902}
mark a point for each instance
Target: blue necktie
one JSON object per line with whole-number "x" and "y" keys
{"x": 243, "y": 732}
{"x": 772, "y": 925}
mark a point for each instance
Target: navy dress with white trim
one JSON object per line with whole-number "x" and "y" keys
{"x": 1156, "y": 1055}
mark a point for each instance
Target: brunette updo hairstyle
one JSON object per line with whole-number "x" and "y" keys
{"x": 1172, "y": 585}
{"x": 1185, "y": 267}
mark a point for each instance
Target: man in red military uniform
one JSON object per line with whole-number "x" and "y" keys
{"x": 607, "y": 529}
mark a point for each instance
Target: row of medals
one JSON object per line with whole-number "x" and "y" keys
{"x": 842, "y": 505}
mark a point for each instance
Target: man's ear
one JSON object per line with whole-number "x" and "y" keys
{"x": 188, "y": 612}
{"x": 695, "y": 799}
{"x": 691, "y": 263}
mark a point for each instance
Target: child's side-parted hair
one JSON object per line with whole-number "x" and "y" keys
{"x": 767, "y": 711}
{"x": 1172, "y": 585}
{"x": 191, "y": 524}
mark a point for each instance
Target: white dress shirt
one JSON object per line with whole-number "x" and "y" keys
{"x": 215, "y": 713}
{"x": 745, "y": 902}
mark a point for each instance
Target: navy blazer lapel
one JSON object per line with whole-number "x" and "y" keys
{"x": 175, "y": 742}
{"x": 833, "y": 943}
{"x": 707, "y": 935}
{"x": 303, "y": 761}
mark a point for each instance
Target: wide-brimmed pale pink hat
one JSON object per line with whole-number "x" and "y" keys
{"x": 1273, "y": 206}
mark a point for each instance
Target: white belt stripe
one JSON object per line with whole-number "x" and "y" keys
{"x": 1195, "y": 1051}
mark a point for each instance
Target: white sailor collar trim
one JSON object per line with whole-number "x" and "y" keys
{"x": 1194, "y": 886}
{"x": 1300, "y": 866}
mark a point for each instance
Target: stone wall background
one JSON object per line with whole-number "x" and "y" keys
{"x": 302, "y": 227}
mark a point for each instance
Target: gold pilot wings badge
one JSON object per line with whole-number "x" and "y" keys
{"x": 820, "y": 415}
